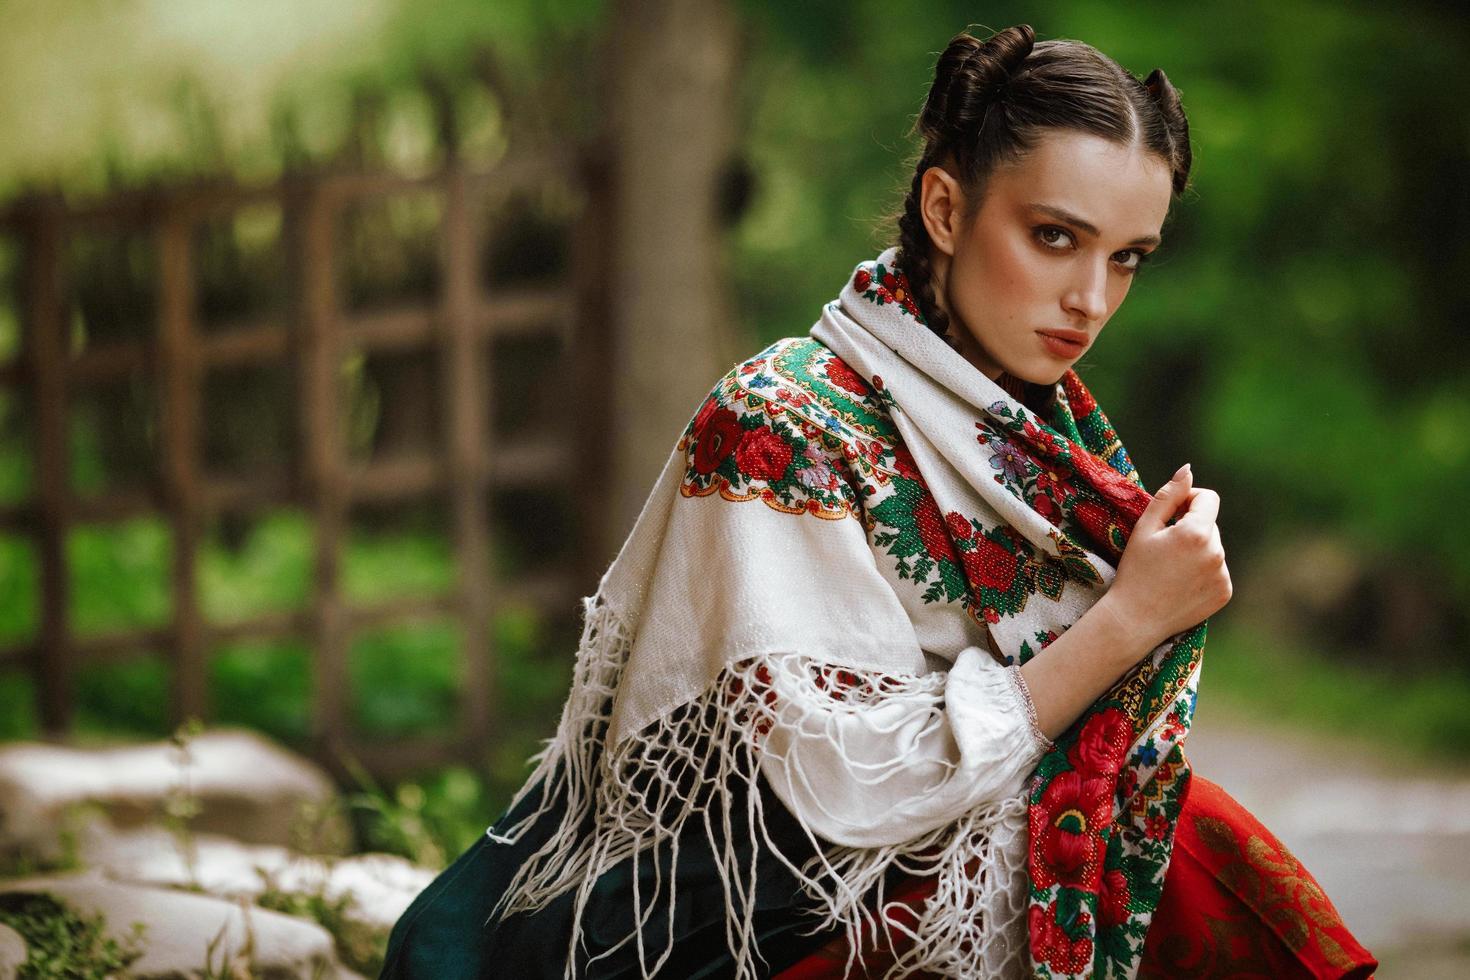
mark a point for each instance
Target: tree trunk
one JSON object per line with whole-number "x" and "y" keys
{"x": 673, "y": 131}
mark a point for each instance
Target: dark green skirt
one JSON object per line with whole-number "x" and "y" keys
{"x": 447, "y": 933}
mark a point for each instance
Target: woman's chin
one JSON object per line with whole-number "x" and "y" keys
{"x": 1046, "y": 375}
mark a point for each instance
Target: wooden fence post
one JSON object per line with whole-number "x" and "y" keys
{"x": 591, "y": 350}
{"x": 179, "y": 373}
{"x": 46, "y": 344}
{"x": 461, "y": 351}
{"x": 311, "y": 218}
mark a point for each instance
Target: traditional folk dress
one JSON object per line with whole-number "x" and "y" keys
{"x": 798, "y": 741}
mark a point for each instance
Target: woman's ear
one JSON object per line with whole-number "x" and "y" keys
{"x": 940, "y": 206}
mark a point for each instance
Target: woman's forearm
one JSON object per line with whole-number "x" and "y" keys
{"x": 1078, "y": 666}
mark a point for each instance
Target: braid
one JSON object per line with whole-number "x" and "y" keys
{"x": 913, "y": 257}
{"x": 969, "y": 80}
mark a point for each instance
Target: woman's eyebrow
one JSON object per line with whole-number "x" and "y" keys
{"x": 1062, "y": 214}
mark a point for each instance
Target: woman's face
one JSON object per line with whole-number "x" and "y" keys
{"x": 1052, "y": 247}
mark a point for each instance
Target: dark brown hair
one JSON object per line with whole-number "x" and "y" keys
{"x": 991, "y": 100}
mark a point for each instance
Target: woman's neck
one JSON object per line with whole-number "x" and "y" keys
{"x": 966, "y": 346}
{"x": 1014, "y": 386}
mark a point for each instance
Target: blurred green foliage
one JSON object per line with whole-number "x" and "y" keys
{"x": 1425, "y": 713}
{"x": 404, "y": 679}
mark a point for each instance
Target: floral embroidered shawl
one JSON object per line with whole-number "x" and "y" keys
{"x": 871, "y": 430}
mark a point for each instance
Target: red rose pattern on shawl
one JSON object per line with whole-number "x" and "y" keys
{"x": 932, "y": 529}
{"x": 884, "y": 286}
{"x": 1065, "y": 829}
{"x": 1050, "y": 944}
{"x": 1113, "y": 908}
{"x": 763, "y": 455}
{"x": 758, "y": 437}
{"x": 720, "y": 434}
{"x": 1102, "y": 744}
{"x": 846, "y": 378}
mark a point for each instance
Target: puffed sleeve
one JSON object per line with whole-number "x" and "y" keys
{"x": 884, "y": 759}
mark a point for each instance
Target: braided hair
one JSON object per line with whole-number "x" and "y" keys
{"x": 990, "y": 102}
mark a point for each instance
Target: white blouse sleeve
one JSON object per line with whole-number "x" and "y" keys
{"x": 884, "y": 769}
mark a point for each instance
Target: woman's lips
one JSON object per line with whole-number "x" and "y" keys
{"x": 1061, "y": 346}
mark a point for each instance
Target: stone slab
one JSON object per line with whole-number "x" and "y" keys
{"x": 180, "y": 927}
{"x": 248, "y": 788}
{"x": 13, "y": 952}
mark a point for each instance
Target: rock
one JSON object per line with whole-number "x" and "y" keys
{"x": 180, "y": 927}
{"x": 374, "y": 889}
{"x": 12, "y": 952}
{"x": 383, "y": 885}
{"x": 152, "y": 855}
{"x": 380, "y": 886}
{"x": 246, "y": 786}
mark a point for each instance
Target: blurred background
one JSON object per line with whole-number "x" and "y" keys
{"x": 340, "y": 343}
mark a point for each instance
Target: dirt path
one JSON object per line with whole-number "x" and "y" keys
{"x": 1389, "y": 841}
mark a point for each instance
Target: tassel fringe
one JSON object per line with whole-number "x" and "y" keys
{"x": 701, "y": 762}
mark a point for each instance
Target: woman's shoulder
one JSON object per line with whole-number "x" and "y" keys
{"x": 792, "y": 425}
{"x": 802, "y": 377}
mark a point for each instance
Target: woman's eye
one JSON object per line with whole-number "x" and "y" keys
{"x": 1044, "y": 233}
{"x": 1133, "y": 259}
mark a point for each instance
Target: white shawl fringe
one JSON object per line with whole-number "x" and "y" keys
{"x": 686, "y": 765}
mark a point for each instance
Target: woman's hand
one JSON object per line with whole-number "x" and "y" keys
{"x": 1172, "y": 577}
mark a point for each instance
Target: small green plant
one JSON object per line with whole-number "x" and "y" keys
{"x": 233, "y": 964}
{"x": 63, "y": 944}
{"x": 428, "y": 821}
{"x": 181, "y": 805}
{"x": 359, "y": 945}
{"x": 321, "y": 828}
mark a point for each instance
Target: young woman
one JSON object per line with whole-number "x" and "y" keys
{"x": 894, "y": 673}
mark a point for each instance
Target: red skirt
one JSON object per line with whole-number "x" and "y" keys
{"x": 1235, "y": 904}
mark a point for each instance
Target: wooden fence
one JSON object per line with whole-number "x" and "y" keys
{"x": 311, "y": 338}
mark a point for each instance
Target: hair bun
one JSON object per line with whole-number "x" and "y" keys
{"x": 1010, "y": 47}
{"x": 968, "y": 76}
{"x": 1166, "y": 96}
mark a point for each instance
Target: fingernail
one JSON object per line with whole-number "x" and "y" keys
{"x": 1179, "y": 473}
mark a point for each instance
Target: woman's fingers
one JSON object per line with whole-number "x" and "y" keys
{"x": 1204, "y": 507}
{"x": 1171, "y": 497}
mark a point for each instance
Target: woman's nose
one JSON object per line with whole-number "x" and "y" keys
{"x": 1088, "y": 296}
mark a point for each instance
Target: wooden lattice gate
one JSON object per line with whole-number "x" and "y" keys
{"x": 314, "y": 329}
